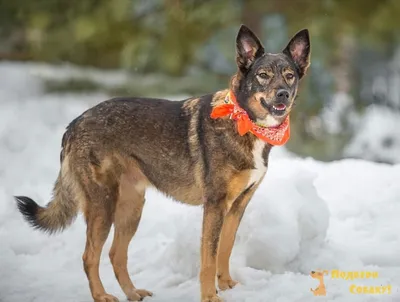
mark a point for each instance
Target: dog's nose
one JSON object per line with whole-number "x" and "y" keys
{"x": 282, "y": 95}
{"x": 312, "y": 272}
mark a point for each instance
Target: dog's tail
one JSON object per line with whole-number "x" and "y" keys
{"x": 59, "y": 213}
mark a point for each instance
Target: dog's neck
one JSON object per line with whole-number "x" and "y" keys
{"x": 276, "y": 136}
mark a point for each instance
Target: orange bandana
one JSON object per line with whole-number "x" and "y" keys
{"x": 276, "y": 136}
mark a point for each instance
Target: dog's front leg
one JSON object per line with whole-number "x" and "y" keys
{"x": 228, "y": 234}
{"x": 213, "y": 218}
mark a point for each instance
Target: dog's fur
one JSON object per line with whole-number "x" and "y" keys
{"x": 115, "y": 150}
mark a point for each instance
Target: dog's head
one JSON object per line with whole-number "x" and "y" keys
{"x": 318, "y": 274}
{"x": 266, "y": 84}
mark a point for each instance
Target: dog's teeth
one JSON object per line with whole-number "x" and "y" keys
{"x": 279, "y": 109}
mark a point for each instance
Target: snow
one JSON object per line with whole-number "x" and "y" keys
{"x": 306, "y": 215}
{"x": 65, "y": 71}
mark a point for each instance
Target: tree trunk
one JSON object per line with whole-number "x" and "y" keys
{"x": 251, "y": 16}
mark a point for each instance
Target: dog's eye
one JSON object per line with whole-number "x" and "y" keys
{"x": 290, "y": 76}
{"x": 263, "y": 75}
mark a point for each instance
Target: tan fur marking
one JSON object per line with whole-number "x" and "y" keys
{"x": 190, "y": 195}
{"x": 236, "y": 186}
{"x": 268, "y": 96}
{"x": 104, "y": 171}
{"x": 228, "y": 234}
{"x": 268, "y": 71}
{"x": 212, "y": 225}
{"x": 190, "y": 105}
{"x": 194, "y": 140}
{"x": 127, "y": 216}
{"x": 235, "y": 80}
{"x": 287, "y": 71}
{"x": 135, "y": 177}
{"x": 264, "y": 117}
{"x": 97, "y": 233}
{"x": 67, "y": 197}
{"x": 255, "y": 103}
{"x": 219, "y": 97}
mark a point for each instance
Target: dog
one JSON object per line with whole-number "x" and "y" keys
{"x": 321, "y": 289}
{"x": 211, "y": 150}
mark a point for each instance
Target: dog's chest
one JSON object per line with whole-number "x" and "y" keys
{"x": 259, "y": 162}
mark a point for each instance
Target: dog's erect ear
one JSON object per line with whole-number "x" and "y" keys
{"x": 299, "y": 50}
{"x": 248, "y": 48}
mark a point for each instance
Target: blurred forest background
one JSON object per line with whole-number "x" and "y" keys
{"x": 349, "y": 104}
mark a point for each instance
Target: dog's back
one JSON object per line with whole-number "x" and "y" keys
{"x": 152, "y": 134}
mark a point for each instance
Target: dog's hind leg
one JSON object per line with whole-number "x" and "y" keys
{"x": 99, "y": 219}
{"x": 126, "y": 220}
{"x": 228, "y": 234}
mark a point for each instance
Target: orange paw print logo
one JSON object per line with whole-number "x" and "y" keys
{"x": 321, "y": 289}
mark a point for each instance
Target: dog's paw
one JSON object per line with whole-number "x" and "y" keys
{"x": 226, "y": 283}
{"x": 214, "y": 298}
{"x": 105, "y": 298}
{"x": 139, "y": 295}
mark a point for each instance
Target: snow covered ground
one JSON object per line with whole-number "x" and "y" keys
{"x": 307, "y": 215}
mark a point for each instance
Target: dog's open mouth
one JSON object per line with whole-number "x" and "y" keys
{"x": 278, "y": 109}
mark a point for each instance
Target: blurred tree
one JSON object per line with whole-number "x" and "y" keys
{"x": 164, "y": 34}
{"x": 143, "y": 35}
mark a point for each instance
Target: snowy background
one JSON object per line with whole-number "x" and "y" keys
{"x": 306, "y": 215}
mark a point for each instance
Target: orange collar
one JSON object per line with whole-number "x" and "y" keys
{"x": 276, "y": 136}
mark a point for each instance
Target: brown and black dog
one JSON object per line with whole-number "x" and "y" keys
{"x": 115, "y": 150}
